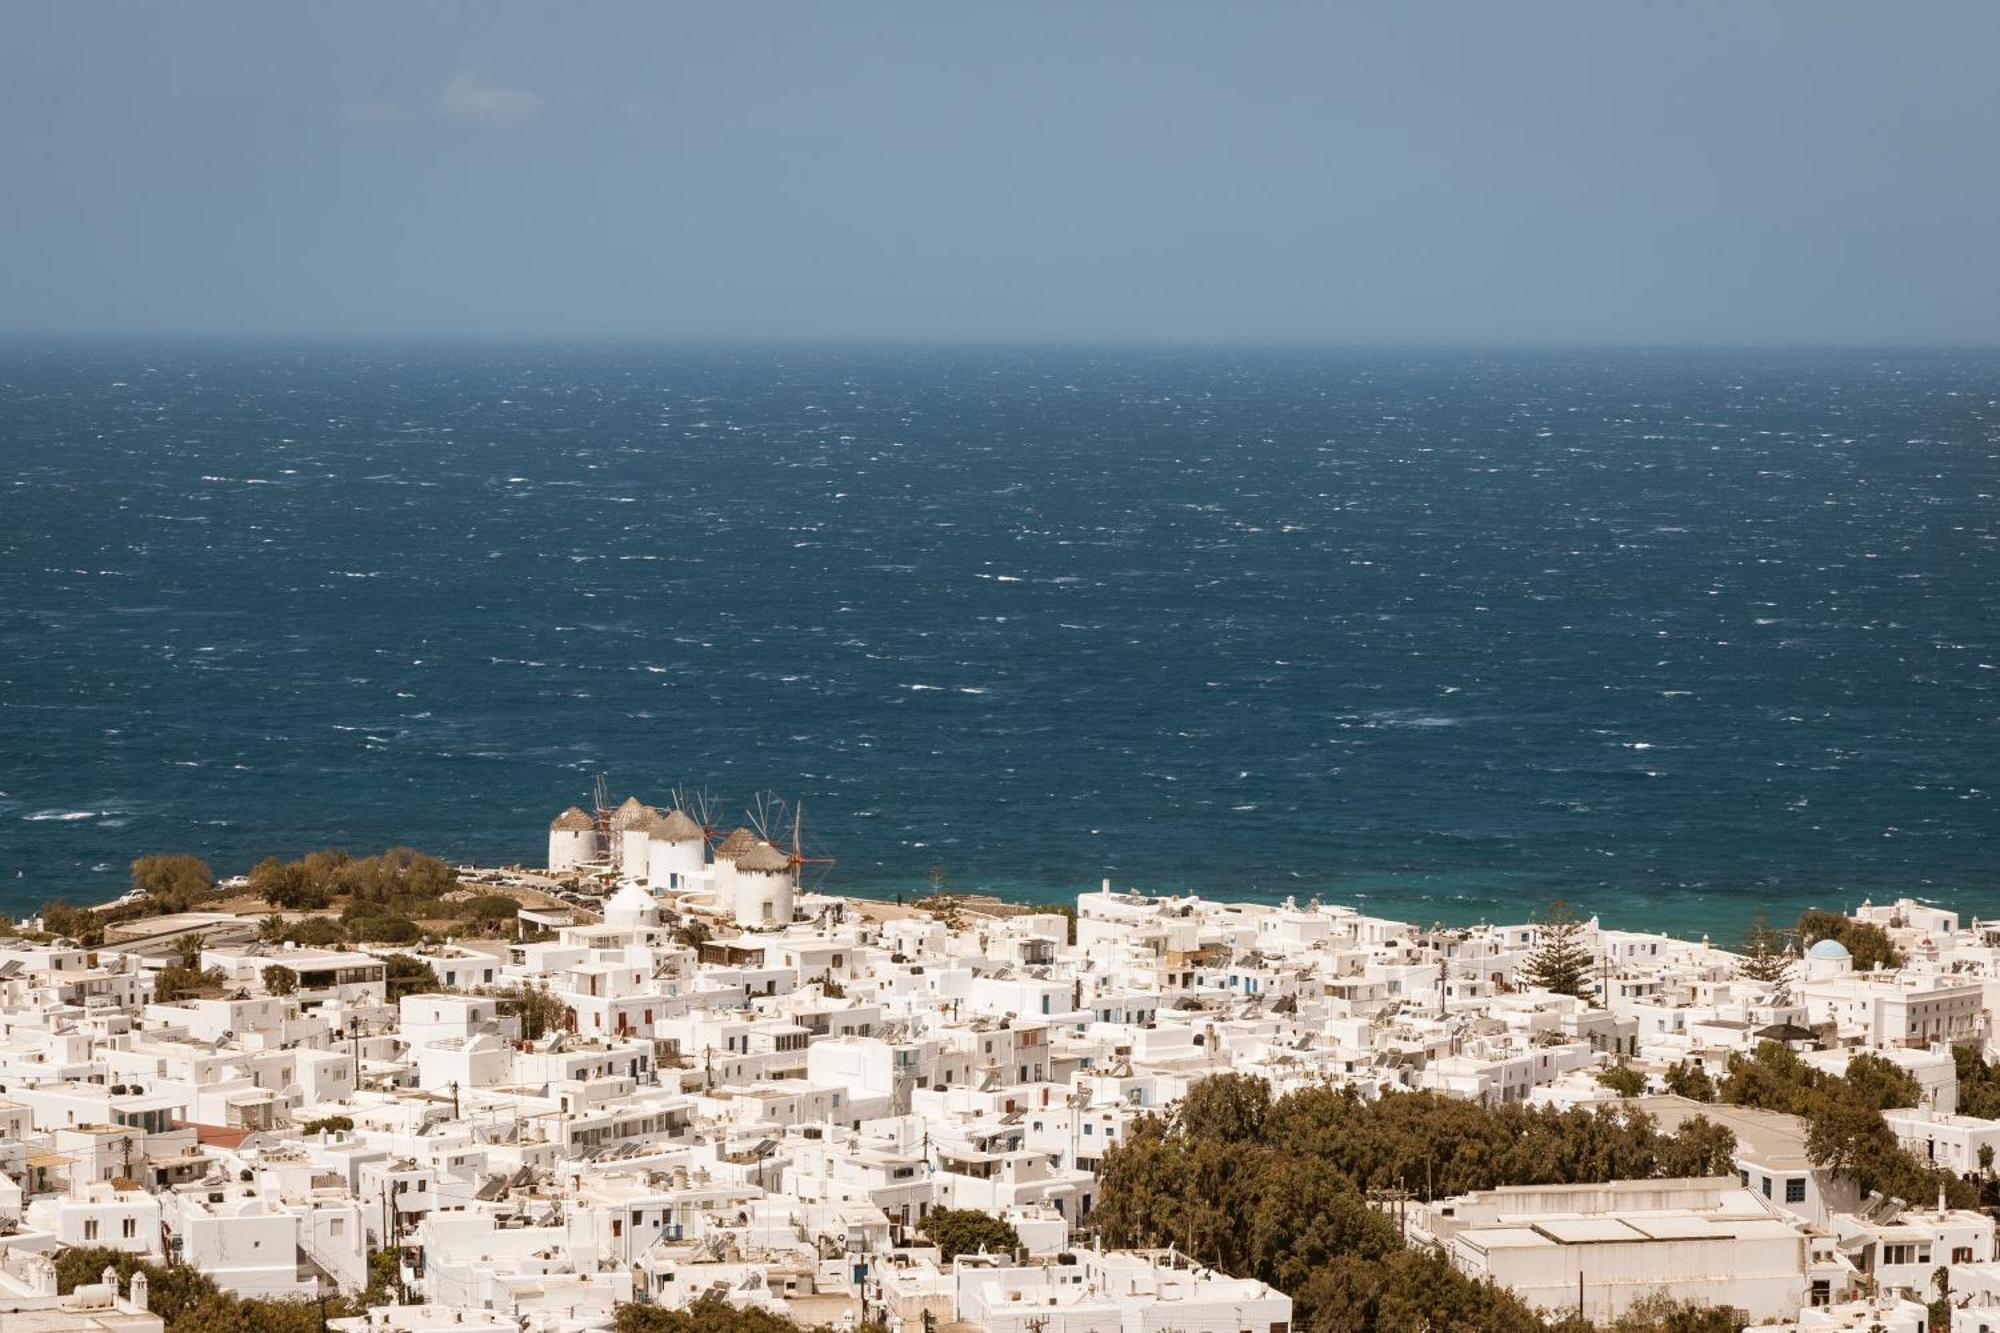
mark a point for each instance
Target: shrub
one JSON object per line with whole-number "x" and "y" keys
{"x": 957, "y": 1231}
{"x": 173, "y": 883}
{"x": 73, "y": 923}
{"x": 385, "y": 930}
{"x": 316, "y": 932}
{"x": 407, "y": 975}
{"x": 1623, "y": 1080}
{"x": 492, "y": 907}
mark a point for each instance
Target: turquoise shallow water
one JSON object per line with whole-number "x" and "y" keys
{"x": 1677, "y": 635}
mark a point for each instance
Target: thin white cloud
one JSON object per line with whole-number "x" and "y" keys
{"x": 471, "y": 98}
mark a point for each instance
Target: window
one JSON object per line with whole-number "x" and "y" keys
{"x": 130, "y": 1227}
{"x": 1961, "y": 1254}
{"x": 1767, "y": 1187}
{"x": 90, "y": 1228}
{"x": 1795, "y": 1190}
{"x": 1899, "y": 1254}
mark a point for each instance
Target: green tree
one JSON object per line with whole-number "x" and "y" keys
{"x": 1410, "y": 1289}
{"x": 1765, "y": 957}
{"x": 1231, "y": 1107}
{"x": 1690, "y": 1081}
{"x": 710, "y": 1314}
{"x": 187, "y": 950}
{"x": 1842, "y": 1131}
{"x": 173, "y": 1291}
{"x": 1275, "y": 1189}
{"x": 1978, "y": 1083}
{"x": 384, "y": 929}
{"x": 1845, "y": 1131}
{"x": 317, "y": 932}
{"x": 408, "y": 976}
{"x": 1622, "y": 1079}
{"x": 1560, "y": 962}
{"x": 1699, "y": 1148}
{"x": 179, "y": 982}
{"x": 83, "y": 1264}
{"x": 1066, "y": 910}
{"x": 692, "y": 933}
{"x": 280, "y": 980}
{"x": 1882, "y": 1083}
{"x": 1661, "y": 1313}
{"x": 1868, "y": 944}
{"x": 316, "y": 880}
{"x": 492, "y": 908}
{"x": 188, "y": 1301}
{"x": 957, "y": 1231}
{"x": 539, "y": 1009}
{"x": 80, "y": 924}
{"x": 173, "y": 883}
{"x": 384, "y": 1278}
{"x": 1771, "y": 1078}
{"x": 287, "y": 885}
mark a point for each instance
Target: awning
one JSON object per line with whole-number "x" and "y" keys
{"x": 40, "y": 1159}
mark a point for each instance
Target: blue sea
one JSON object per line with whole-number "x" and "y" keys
{"x": 1677, "y": 636}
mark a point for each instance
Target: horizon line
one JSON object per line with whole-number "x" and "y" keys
{"x": 1015, "y": 343}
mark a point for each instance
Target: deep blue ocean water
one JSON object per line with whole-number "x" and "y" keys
{"x": 1679, "y": 636}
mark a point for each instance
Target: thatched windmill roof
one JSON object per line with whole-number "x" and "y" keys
{"x": 677, "y": 827}
{"x": 738, "y": 842}
{"x": 764, "y": 859}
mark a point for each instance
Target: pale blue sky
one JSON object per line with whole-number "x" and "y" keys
{"x": 1708, "y": 173}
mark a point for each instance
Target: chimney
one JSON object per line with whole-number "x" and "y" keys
{"x": 137, "y": 1298}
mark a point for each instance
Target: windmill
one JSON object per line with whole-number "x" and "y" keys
{"x": 783, "y": 826}
{"x": 700, "y": 807}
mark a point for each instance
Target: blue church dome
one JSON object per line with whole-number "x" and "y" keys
{"x": 1832, "y": 950}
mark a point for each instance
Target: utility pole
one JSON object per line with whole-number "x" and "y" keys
{"x": 1397, "y": 1200}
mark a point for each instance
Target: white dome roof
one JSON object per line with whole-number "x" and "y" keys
{"x": 631, "y": 906}
{"x": 1831, "y": 950}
